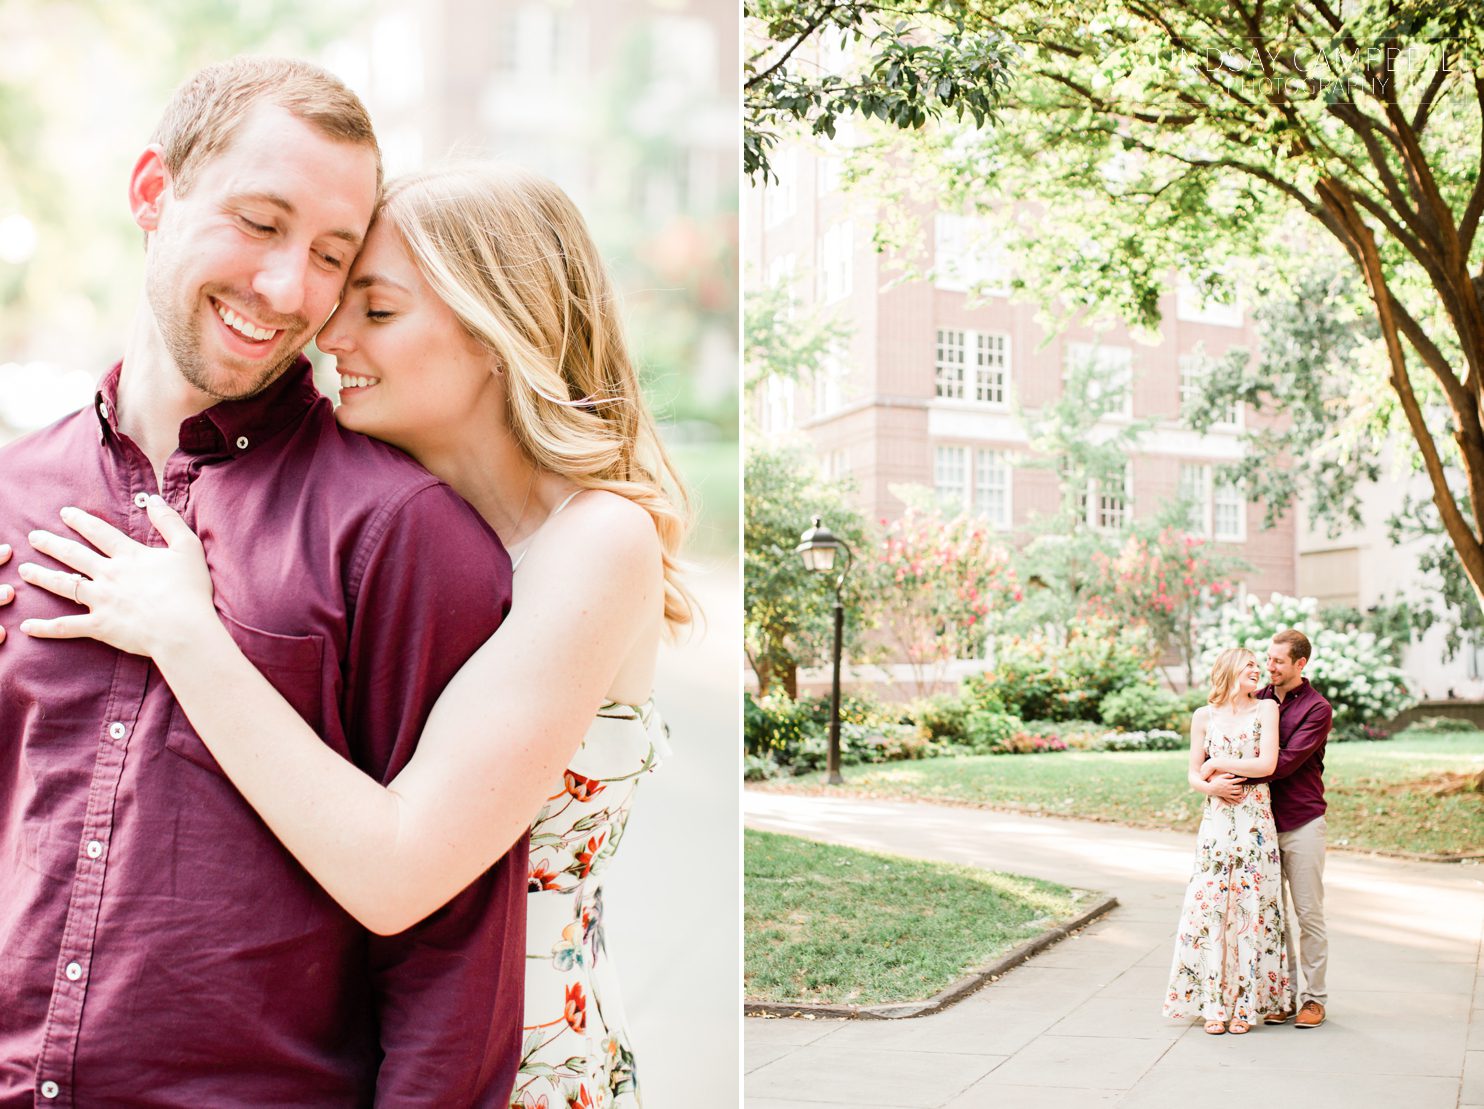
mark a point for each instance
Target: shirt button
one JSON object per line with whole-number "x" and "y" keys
{"x": 103, "y": 409}
{"x": 141, "y": 499}
{"x": 117, "y": 730}
{"x": 74, "y": 971}
{"x": 242, "y": 442}
{"x": 50, "y": 1089}
{"x": 94, "y": 849}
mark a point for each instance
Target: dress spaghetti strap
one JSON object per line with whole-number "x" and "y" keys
{"x": 515, "y": 563}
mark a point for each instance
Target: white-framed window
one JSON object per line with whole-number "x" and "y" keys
{"x": 948, "y": 364}
{"x": 974, "y": 479}
{"x": 1113, "y": 374}
{"x": 1192, "y": 307}
{"x": 1193, "y": 370}
{"x": 683, "y": 52}
{"x": 1218, "y": 509}
{"x": 1473, "y": 653}
{"x": 991, "y": 366}
{"x": 1105, "y": 504}
{"x": 951, "y": 474}
{"x": 782, "y": 274}
{"x": 829, "y": 169}
{"x": 835, "y": 464}
{"x": 781, "y": 197}
{"x": 778, "y": 404}
{"x": 829, "y": 380}
{"x": 965, "y": 256}
{"x": 836, "y": 258}
{"x": 1195, "y": 481}
{"x": 989, "y": 382}
{"x": 992, "y": 474}
{"x": 1228, "y": 512}
{"x": 526, "y": 44}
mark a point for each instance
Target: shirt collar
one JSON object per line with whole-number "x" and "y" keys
{"x": 1298, "y": 691}
{"x": 230, "y": 427}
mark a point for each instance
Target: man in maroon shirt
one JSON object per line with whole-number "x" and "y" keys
{"x": 157, "y": 945}
{"x": 1297, "y": 784}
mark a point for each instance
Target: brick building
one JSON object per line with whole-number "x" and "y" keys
{"x": 927, "y": 388}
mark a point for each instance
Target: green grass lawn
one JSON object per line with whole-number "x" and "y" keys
{"x": 1380, "y": 795}
{"x": 833, "y": 925}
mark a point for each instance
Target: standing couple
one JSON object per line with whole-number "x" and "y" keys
{"x": 1258, "y": 756}
{"x": 273, "y": 786}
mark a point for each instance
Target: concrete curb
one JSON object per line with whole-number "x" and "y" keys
{"x": 939, "y": 1001}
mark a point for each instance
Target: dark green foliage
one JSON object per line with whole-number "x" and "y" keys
{"x": 988, "y": 732}
{"x": 1139, "y": 708}
{"x": 788, "y": 619}
{"x": 914, "y": 60}
{"x": 1039, "y": 679}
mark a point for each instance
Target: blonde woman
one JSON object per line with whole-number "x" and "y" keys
{"x": 478, "y": 332}
{"x": 1230, "y": 968}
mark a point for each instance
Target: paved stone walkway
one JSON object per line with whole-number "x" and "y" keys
{"x": 672, "y": 900}
{"x": 1079, "y": 1025}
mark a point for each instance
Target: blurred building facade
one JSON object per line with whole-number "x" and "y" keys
{"x": 1362, "y": 568}
{"x": 630, "y": 105}
{"x": 937, "y": 383}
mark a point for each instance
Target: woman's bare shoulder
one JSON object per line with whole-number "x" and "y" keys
{"x": 622, "y": 527}
{"x": 600, "y": 542}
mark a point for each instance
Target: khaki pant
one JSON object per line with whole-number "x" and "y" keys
{"x": 1303, "y": 876}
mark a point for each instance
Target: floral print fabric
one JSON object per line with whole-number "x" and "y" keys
{"x": 576, "y": 1052}
{"x": 1230, "y": 961}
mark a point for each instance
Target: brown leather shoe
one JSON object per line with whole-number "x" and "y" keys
{"x": 1310, "y": 1016}
{"x": 1278, "y": 1018}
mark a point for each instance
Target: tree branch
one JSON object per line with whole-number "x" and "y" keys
{"x": 1424, "y": 106}
{"x": 1465, "y": 541}
{"x": 1471, "y": 213}
{"x": 813, "y": 25}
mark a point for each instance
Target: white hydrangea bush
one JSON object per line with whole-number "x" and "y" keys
{"x": 1351, "y": 668}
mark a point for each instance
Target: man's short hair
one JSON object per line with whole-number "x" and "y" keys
{"x": 207, "y": 109}
{"x": 1297, "y": 643}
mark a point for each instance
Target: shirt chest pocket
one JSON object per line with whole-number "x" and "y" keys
{"x": 293, "y": 665}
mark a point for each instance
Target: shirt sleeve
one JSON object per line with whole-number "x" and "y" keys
{"x": 1305, "y": 740}
{"x": 448, "y": 991}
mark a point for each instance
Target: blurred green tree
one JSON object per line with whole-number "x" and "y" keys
{"x": 787, "y": 609}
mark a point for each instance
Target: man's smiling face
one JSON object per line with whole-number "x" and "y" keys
{"x": 248, "y": 263}
{"x": 1284, "y": 671}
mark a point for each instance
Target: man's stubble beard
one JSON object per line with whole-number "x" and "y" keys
{"x": 181, "y": 331}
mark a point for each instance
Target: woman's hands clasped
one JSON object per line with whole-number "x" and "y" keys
{"x": 140, "y": 599}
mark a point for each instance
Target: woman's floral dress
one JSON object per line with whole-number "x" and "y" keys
{"x": 1230, "y": 961}
{"x": 576, "y": 1052}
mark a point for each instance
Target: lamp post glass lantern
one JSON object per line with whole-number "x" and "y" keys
{"x": 820, "y": 549}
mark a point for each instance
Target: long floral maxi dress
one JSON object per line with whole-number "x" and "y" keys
{"x": 1230, "y": 962}
{"x": 576, "y": 1050}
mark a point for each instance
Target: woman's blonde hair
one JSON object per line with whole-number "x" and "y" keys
{"x": 1225, "y": 672}
{"x": 509, "y": 253}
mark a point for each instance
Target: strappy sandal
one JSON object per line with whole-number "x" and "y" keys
{"x": 1215, "y": 1028}
{"x": 1239, "y": 1028}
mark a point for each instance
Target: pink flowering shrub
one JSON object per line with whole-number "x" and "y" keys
{"x": 940, "y": 583}
{"x": 1162, "y": 582}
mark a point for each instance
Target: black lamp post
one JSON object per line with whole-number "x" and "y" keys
{"x": 819, "y": 548}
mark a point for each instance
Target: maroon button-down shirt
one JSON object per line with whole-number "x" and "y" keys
{"x": 157, "y": 945}
{"x": 1297, "y": 782}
